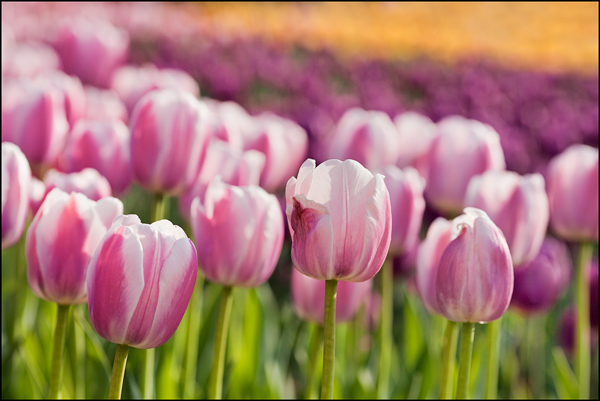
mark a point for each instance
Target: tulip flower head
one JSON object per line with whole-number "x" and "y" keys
{"x": 140, "y": 281}
{"x": 475, "y": 274}
{"x": 340, "y": 220}
{"x": 87, "y": 181}
{"x": 416, "y": 132}
{"x": 16, "y": 183}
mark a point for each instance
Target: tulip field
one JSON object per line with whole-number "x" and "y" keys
{"x": 300, "y": 200}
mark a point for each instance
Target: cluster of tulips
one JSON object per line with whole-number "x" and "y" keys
{"x": 77, "y": 132}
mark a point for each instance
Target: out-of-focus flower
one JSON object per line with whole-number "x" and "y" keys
{"x": 240, "y": 230}
{"x": 416, "y": 132}
{"x": 28, "y": 60}
{"x": 565, "y": 331}
{"x": 169, "y": 134}
{"x": 87, "y": 181}
{"x": 37, "y": 193}
{"x": 572, "y": 179}
{"x": 102, "y": 145}
{"x": 91, "y": 49}
{"x": 462, "y": 149}
{"x": 73, "y": 94}
{"x": 234, "y": 166}
{"x": 308, "y": 296}
{"x": 232, "y": 123}
{"x": 284, "y": 144}
{"x": 16, "y": 182}
{"x": 517, "y": 204}
{"x": 406, "y": 196}
{"x": 540, "y": 283}
{"x": 140, "y": 281}
{"x": 132, "y": 83}
{"x": 430, "y": 251}
{"x": 475, "y": 275}
{"x": 340, "y": 220}
{"x": 369, "y": 137}
{"x": 61, "y": 241}
{"x": 104, "y": 104}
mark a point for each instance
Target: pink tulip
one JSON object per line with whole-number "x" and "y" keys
{"x": 475, "y": 275}
{"x": 240, "y": 230}
{"x": 34, "y": 118}
{"x": 16, "y": 181}
{"x": 87, "y": 181}
{"x": 517, "y": 204}
{"x": 284, "y": 144}
{"x": 462, "y": 149}
{"x": 28, "y": 60}
{"x": 540, "y": 283}
{"x": 140, "y": 281}
{"x": 406, "y": 196}
{"x": 429, "y": 254}
{"x": 369, "y": 137}
{"x": 132, "y": 83}
{"x": 37, "y": 194}
{"x": 416, "y": 133}
{"x": 92, "y": 50}
{"x": 340, "y": 220}
{"x": 102, "y": 145}
{"x": 232, "y": 123}
{"x": 61, "y": 241}
{"x": 169, "y": 135}
{"x": 104, "y": 104}
{"x": 308, "y": 295}
{"x": 572, "y": 178}
{"x": 234, "y": 166}
{"x": 73, "y": 94}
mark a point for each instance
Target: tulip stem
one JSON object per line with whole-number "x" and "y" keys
{"x": 58, "y": 350}
{"x": 190, "y": 358}
{"x": 313, "y": 353}
{"x": 448, "y": 360}
{"x": 582, "y": 299}
{"x": 385, "y": 330}
{"x": 466, "y": 352}
{"x": 493, "y": 336}
{"x": 329, "y": 340}
{"x": 215, "y": 386}
{"x": 148, "y": 376}
{"x": 118, "y": 372}
{"x": 159, "y": 206}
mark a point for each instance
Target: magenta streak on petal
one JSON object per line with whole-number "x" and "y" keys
{"x": 303, "y": 222}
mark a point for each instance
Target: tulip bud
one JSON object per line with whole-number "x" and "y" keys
{"x": 462, "y": 149}
{"x": 406, "y": 197}
{"x": 87, "y": 181}
{"x": 416, "y": 132}
{"x": 518, "y": 205}
{"x": 429, "y": 254}
{"x": 103, "y": 104}
{"x": 102, "y": 145}
{"x": 169, "y": 135}
{"x": 16, "y": 182}
{"x": 61, "y": 241}
{"x": 241, "y": 232}
{"x": 475, "y": 275}
{"x": 340, "y": 220}
{"x": 369, "y": 137}
{"x": 73, "y": 94}
{"x": 308, "y": 296}
{"x": 29, "y": 60}
{"x": 572, "y": 178}
{"x": 540, "y": 283}
{"x": 232, "y": 123}
{"x": 140, "y": 282}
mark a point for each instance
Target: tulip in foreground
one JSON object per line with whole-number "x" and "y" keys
{"x": 16, "y": 183}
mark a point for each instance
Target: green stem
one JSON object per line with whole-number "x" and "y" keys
{"x": 118, "y": 372}
{"x": 190, "y": 357}
{"x": 493, "y": 337}
{"x": 536, "y": 334}
{"x": 466, "y": 352}
{"x": 215, "y": 385}
{"x": 148, "y": 373}
{"x": 159, "y": 205}
{"x": 582, "y": 299}
{"x": 57, "y": 351}
{"x": 385, "y": 329}
{"x": 329, "y": 340}
{"x": 448, "y": 360}
{"x": 313, "y": 354}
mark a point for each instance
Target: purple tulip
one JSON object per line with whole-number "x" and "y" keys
{"x": 540, "y": 283}
{"x": 308, "y": 296}
{"x": 169, "y": 135}
{"x": 340, "y": 220}
{"x": 140, "y": 281}
{"x": 16, "y": 182}
{"x": 416, "y": 132}
{"x": 475, "y": 275}
{"x": 462, "y": 149}
{"x": 87, "y": 181}
{"x": 61, "y": 241}
{"x": 572, "y": 178}
{"x": 517, "y": 204}
{"x": 241, "y": 232}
